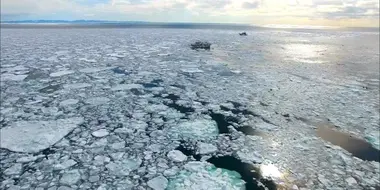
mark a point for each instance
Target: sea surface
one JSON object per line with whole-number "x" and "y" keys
{"x": 132, "y": 106}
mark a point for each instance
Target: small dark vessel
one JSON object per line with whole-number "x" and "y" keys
{"x": 201, "y": 45}
{"x": 243, "y": 34}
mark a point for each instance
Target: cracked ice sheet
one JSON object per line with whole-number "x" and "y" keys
{"x": 34, "y": 136}
{"x": 269, "y": 84}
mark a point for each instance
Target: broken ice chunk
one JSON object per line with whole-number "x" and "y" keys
{"x": 97, "y": 100}
{"x": 197, "y": 129}
{"x": 204, "y": 148}
{"x": 68, "y": 102}
{"x": 177, "y": 156}
{"x": 126, "y": 87}
{"x": 12, "y": 77}
{"x": 34, "y": 136}
{"x": 205, "y": 176}
{"x": 61, "y": 73}
{"x": 158, "y": 183}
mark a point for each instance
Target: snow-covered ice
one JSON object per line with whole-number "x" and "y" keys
{"x": 61, "y": 73}
{"x": 177, "y": 156}
{"x": 33, "y": 136}
{"x": 137, "y": 106}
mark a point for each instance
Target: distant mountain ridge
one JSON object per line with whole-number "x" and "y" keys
{"x": 67, "y": 21}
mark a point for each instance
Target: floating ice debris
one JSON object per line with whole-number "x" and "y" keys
{"x": 27, "y": 159}
{"x": 249, "y": 156}
{"x": 70, "y": 177}
{"x": 158, "y": 183}
{"x": 266, "y": 126}
{"x": 177, "y": 156}
{"x": 351, "y": 181}
{"x": 87, "y": 60}
{"x": 123, "y": 168}
{"x": 204, "y": 148}
{"x": 69, "y": 102}
{"x": 34, "y": 136}
{"x": 76, "y": 85}
{"x": 97, "y": 100}
{"x": 50, "y": 89}
{"x": 205, "y": 176}
{"x": 61, "y": 73}
{"x": 100, "y": 133}
{"x": 196, "y": 130}
{"x": 191, "y": 70}
{"x": 201, "y": 45}
{"x": 66, "y": 164}
{"x": 94, "y": 69}
{"x": 14, "y": 169}
{"x": 126, "y": 87}
{"x": 12, "y": 77}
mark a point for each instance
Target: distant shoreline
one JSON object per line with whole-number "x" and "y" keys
{"x": 25, "y": 24}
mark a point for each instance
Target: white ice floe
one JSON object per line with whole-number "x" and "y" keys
{"x": 126, "y": 87}
{"x": 76, "y": 85}
{"x": 87, "y": 60}
{"x": 97, "y": 100}
{"x": 64, "y": 165}
{"x": 100, "y": 133}
{"x": 191, "y": 70}
{"x": 266, "y": 126}
{"x": 34, "y": 136}
{"x": 249, "y": 156}
{"x": 12, "y": 77}
{"x": 123, "y": 168}
{"x": 204, "y": 148}
{"x": 177, "y": 156}
{"x": 158, "y": 183}
{"x": 70, "y": 177}
{"x": 95, "y": 69}
{"x": 61, "y": 73}
{"x": 196, "y": 129}
{"x": 205, "y": 176}
{"x": 68, "y": 102}
{"x": 14, "y": 170}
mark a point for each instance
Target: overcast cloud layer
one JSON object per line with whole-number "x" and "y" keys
{"x": 260, "y": 12}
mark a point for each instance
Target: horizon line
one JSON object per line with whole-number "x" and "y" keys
{"x": 85, "y": 21}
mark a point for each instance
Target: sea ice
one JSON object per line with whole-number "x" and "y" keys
{"x": 158, "y": 183}
{"x": 196, "y": 129}
{"x": 97, "y": 100}
{"x": 205, "y": 176}
{"x": 68, "y": 102}
{"x": 126, "y": 87}
{"x": 12, "y": 77}
{"x": 76, "y": 85}
{"x": 94, "y": 69}
{"x": 61, "y": 73}
{"x": 100, "y": 133}
{"x": 204, "y": 148}
{"x": 34, "y": 136}
{"x": 177, "y": 156}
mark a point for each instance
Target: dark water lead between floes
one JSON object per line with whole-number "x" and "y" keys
{"x": 357, "y": 147}
{"x": 248, "y": 172}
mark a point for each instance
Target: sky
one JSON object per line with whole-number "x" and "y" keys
{"x": 341, "y": 13}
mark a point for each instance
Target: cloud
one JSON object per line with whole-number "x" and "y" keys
{"x": 250, "y": 5}
{"x": 194, "y": 10}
